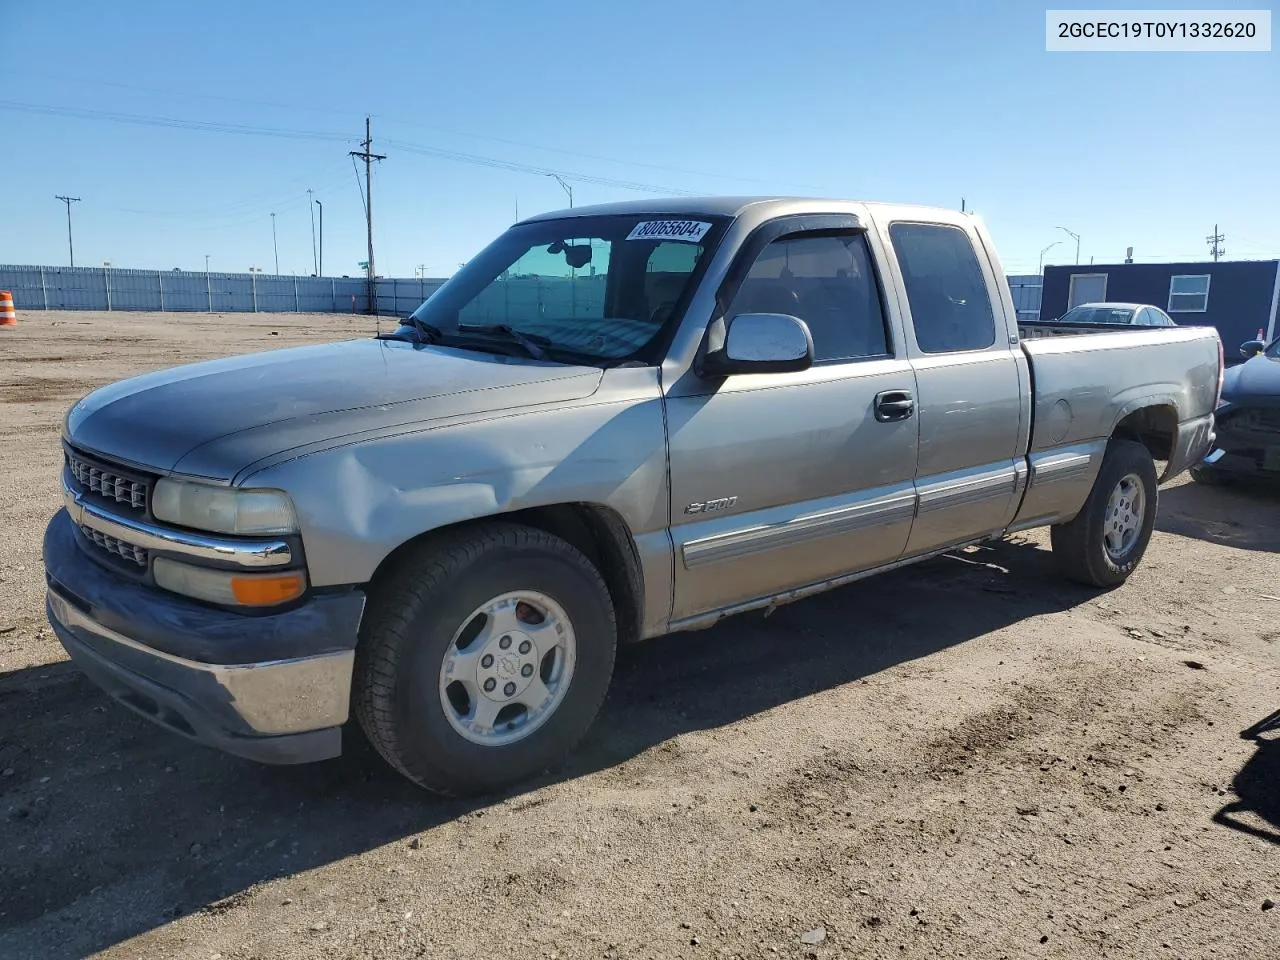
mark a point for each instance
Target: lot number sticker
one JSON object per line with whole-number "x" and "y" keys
{"x": 689, "y": 230}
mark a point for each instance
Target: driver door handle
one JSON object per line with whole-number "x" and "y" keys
{"x": 894, "y": 405}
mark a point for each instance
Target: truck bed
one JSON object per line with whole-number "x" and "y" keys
{"x": 1037, "y": 329}
{"x": 1076, "y": 368}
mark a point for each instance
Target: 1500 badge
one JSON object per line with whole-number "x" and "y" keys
{"x": 711, "y": 506}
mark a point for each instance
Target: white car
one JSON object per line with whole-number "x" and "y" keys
{"x": 1133, "y": 314}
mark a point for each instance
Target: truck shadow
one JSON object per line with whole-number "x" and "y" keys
{"x": 112, "y": 827}
{"x": 1258, "y": 800}
{"x": 1245, "y": 514}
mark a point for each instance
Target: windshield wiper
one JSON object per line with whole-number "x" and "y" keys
{"x": 423, "y": 332}
{"x": 427, "y": 333}
{"x": 531, "y": 342}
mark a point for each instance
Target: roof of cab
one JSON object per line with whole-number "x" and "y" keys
{"x": 687, "y": 206}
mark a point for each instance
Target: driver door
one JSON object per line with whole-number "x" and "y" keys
{"x": 780, "y": 480}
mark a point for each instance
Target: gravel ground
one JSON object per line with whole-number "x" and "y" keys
{"x": 967, "y": 758}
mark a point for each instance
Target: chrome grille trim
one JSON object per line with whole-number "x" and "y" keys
{"x": 115, "y": 547}
{"x": 253, "y": 553}
{"x": 107, "y": 483}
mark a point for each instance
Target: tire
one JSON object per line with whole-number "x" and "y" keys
{"x": 426, "y": 613}
{"x": 1091, "y": 549}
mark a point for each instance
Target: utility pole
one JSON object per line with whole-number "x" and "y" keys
{"x": 320, "y": 264}
{"x": 368, "y": 158}
{"x": 314, "y": 266}
{"x": 275, "y": 248}
{"x": 1216, "y": 249}
{"x": 70, "y": 248}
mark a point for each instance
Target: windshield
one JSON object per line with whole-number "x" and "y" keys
{"x": 1087, "y": 314}
{"x": 601, "y": 289}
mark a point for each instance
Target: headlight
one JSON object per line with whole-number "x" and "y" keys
{"x": 204, "y": 506}
{"x": 226, "y": 586}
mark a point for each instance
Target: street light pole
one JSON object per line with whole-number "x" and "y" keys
{"x": 1076, "y": 238}
{"x": 275, "y": 248}
{"x": 320, "y": 265}
{"x": 314, "y": 266}
{"x": 567, "y": 189}
{"x": 1043, "y": 252}
{"x": 71, "y": 250}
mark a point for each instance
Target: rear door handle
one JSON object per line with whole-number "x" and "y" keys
{"x": 891, "y": 405}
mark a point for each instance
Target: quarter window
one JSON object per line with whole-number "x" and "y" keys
{"x": 827, "y": 281}
{"x": 950, "y": 305}
{"x": 1189, "y": 293}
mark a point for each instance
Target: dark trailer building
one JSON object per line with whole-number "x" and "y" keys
{"x": 1239, "y": 297}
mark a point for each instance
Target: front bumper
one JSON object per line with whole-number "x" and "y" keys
{"x": 273, "y": 688}
{"x": 1244, "y": 452}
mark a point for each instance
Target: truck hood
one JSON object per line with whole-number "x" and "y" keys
{"x": 1255, "y": 382}
{"x": 215, "y": 418}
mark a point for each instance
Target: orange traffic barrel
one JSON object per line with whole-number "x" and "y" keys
{"x": 8, "y": 316}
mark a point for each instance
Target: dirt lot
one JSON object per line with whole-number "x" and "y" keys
{"x": 967, "y": 758}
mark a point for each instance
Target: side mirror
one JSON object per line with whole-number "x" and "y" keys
{"x": 1251, "y": 348}
{"x": 761, "y": 343}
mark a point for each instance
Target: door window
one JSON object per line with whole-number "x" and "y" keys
{"x": 950, "y": 304}
{"x": 827, "y": 281}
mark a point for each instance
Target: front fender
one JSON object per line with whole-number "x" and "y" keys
{"x": 358, "y": 503}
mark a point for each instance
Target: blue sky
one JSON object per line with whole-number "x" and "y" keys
{"x": 926, "y": 102}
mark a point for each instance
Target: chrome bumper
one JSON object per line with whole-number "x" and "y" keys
{"x": 211, "y": 703}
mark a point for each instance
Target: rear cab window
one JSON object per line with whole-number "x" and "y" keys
{"x": 947, "y": 292}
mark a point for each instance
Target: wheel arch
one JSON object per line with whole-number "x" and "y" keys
{"x": 598, "y": 531}
{"x": 1154, "y": 425}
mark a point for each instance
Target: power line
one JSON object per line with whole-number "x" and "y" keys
{"x": 518, "y": 167}
{"x": 329, "y": 111}
{"x": 173, "y": 122}
{"x": 407, "y": 146}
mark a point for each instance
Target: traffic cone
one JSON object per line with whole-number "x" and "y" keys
{"x": 8, "y": 316}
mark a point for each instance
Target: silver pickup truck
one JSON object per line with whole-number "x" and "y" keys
{"x": 614, "y": 422}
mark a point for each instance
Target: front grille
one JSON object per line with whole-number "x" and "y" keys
{"x": 109, "y": 483}
{"x": 1264, "y": 419}
{"x": 1246, "y": 423}
{"x": 117, "y": 548}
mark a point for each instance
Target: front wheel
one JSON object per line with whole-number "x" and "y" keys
{"x": 485, "y": 657}
{"x": 1105, "y": 542}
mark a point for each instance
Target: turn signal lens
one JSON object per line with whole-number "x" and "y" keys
{"x": 263, "y": 591}
{"x": 228, "y": 587}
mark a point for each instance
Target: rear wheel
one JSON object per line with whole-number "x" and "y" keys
{"x": 1105, "y": 542}
{"x": 485, "y": 658}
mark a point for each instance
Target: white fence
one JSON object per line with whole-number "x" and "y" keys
{"x": 180, "y": 291}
